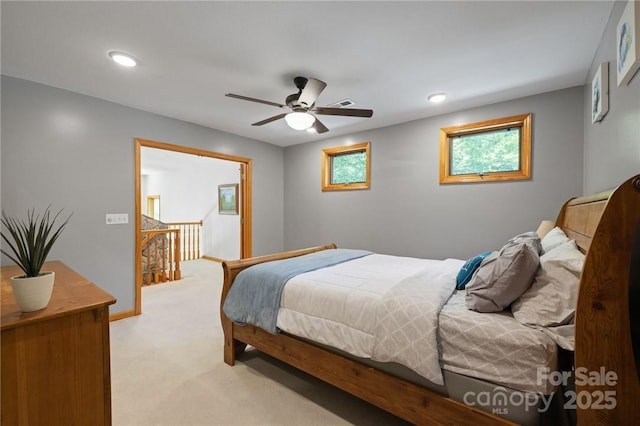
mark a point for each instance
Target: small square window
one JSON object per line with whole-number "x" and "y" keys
{"x": 346, "y": 168}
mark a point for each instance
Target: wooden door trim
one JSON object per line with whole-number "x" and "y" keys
{"x": 245, "y": 200}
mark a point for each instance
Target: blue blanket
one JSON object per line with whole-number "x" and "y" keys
{"x": 255, "y": 295}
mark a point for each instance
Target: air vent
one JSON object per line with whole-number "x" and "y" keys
{"x": 343, "y": 104}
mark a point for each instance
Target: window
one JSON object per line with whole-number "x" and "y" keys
{"x": 346, "y": 167}
{"x": 492, "y": 150}
{"x": 153, "y": 206}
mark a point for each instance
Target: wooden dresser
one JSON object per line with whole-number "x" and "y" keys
{"x": 56, "y": 361}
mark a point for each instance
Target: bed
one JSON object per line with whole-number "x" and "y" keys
{"x": 605, "y": 227}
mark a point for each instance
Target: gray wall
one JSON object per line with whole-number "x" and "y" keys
{"x": 407, "y": 212}
{"x": 76, "y": 152}
{"x": 612, "y": 146}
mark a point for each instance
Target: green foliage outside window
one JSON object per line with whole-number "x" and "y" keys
{"x": 349, "y": 168}
{"x": 486, "y": 151}
{"x": 346, "y": 168}
{"x": 495, "y": 151}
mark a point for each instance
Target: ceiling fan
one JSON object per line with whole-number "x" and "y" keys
{"x": 302, "y": 106}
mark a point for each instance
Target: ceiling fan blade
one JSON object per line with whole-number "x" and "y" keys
{"x": 270, "y": 119}
{"x": 246, "y": 98}
{"x": 319, "y": 127}
{"x": 311, "y": 91}
{"x": 350, "y": 112}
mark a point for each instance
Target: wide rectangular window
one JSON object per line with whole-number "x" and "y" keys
{"x": 346, "y": 167}
{"x": 490, "y": 150}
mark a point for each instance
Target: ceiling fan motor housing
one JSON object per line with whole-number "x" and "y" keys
{"x": 292, "y": 100}
{"x": 300, "y": 82}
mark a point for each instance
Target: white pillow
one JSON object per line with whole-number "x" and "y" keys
{"x": 545, "y": 227}
{"x": 551, "y": 299}
{"x": 553, "y": 239}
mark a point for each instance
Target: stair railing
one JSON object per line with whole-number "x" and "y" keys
{"x": 190, "y": 242}
{"x": 160, "y": 255}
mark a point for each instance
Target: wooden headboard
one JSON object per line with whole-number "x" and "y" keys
{"x": 603, "y": 225}
{"x": 579, "y": 217}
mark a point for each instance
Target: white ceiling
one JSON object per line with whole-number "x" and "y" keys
{"x": 387, "y": 56}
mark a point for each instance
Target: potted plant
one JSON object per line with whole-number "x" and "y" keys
{"x": 29, "y": 243}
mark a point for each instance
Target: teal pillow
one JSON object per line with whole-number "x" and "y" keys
{"x": 467, "y": 270}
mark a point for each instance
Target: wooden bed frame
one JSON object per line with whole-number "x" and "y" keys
{"x": 603, "y": 226}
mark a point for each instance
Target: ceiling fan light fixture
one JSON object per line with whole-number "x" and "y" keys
{"x": 437, "y": 97}
{"x": 299, "y": 120}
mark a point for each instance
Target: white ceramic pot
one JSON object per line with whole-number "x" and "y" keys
{"x": 33, "y": 293}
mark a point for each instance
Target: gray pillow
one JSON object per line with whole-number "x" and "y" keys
{"x": 530, "y": 238}
{"x": 502, "y": 277}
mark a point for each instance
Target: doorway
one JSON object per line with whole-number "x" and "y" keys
{"x": 244, "y": 202}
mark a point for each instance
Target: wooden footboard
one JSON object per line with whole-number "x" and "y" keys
{"x": 603, "y": 225}
{"x": 232, "y": 345}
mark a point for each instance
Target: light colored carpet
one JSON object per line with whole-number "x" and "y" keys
{"x": 167, "y": 368}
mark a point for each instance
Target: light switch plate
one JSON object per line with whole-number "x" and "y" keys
{"x": 117, "y": 218}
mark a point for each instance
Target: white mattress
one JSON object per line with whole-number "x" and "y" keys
{"x": 336, "y": 306}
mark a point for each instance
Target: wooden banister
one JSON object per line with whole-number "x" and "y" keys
{"x": 160, "y": 255}
{"x": 176, "y": 255}
{"x": 163, "y": 249}
{"x": 189, "y": 247}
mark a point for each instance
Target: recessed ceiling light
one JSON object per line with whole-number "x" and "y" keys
{"x": 122, "y": 59}
{"x": 437, "y": 97}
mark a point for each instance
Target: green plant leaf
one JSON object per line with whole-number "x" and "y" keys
{"x": 30, "y": 241}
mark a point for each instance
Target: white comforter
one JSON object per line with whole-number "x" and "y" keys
{"x": 380, "y": 307}
{"x": 407, "y": 319}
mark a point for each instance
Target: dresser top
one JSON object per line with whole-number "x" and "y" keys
{"x": 71, "y": 293}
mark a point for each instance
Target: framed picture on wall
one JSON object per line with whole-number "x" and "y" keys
{"x": 600, "y": 93}
{"x": 628, "y": 43}
{"x": 228, "y": 198}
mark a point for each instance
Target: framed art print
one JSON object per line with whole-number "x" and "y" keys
{"x": 228, "y": 198}
{"x": 600, "y": 93}
{"x": 627, "y": 43}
